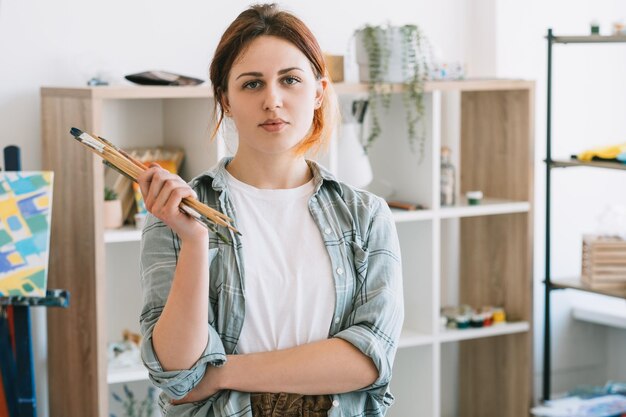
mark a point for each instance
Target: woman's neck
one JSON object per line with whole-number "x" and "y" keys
{"x": 272, "y": 173}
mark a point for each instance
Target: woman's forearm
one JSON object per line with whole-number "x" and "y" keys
{"x": 326, "y": 367}
{"x": 181, "y": 334}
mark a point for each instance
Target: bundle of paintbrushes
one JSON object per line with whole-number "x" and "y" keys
{"x": 130, "y": 167}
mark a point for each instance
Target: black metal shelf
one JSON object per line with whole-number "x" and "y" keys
{"x": 589, "y": 39}
{"x": 567, "y": 163}
{"x": 550, "y": 164}
{"x": 577, "y": 284}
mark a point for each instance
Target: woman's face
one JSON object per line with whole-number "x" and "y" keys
{"x": 272, "y": 94}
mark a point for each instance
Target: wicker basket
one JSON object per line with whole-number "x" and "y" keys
{"x": 604, "y": 262}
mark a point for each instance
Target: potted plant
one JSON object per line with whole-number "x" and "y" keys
{"x": 389, "y": 55}
{"x": 132, "y": 407}
{"x": 112, "y": 210}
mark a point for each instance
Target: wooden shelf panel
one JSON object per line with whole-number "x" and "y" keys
{"x": 577, "y": 284}
{"x": 129, "y": 374}
{"x": 204, "y": 91}
{"x": 123, "y": 234}
{"x": 129, "y": 92}
{"x": 401, "y": 216}
{"x": 606, "y": 313}
{"x": 455, "y": 335}
{"x": 566, "y": 163}
{"x": 590, "y": 39}
{"x": 487, "y": 207}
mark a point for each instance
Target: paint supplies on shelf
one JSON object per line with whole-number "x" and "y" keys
{"x": 465, "y": 317}
{"x": 587, "y": 401}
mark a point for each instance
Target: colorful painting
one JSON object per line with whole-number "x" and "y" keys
{"x": 25, "y": 208}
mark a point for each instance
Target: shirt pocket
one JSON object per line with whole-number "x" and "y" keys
{"x": 361, "y": 261}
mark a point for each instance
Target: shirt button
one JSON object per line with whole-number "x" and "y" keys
{"x": 314, "y": 199}
{"x": 340, "y": 271}
{"x": 327, "y": 230}
{"x": 335, "y": 403}
{"x": 337, "y": 320}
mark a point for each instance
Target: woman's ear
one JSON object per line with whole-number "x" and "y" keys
{"x": 322, "y": 84}
{"x": 225, "y": 104}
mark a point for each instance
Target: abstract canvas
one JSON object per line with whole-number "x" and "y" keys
{"x": 25, "y": 213}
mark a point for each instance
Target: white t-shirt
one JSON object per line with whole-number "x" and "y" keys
{"x": 288, "y": 283}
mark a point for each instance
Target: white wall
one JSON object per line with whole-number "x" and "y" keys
{"x": 588, "y": 107}
{"x": 66, "y": 42}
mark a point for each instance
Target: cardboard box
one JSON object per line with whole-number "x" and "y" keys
{"x": 604, "y": 262}
{"x": 334, "y": 64}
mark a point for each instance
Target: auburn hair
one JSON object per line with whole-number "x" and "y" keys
{"x": 269, "y": 20}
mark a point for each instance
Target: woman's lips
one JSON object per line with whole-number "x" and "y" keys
{"x": 274, "y": 126}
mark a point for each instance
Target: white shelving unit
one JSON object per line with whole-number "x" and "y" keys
{"x": 128, "y": 374}
{"x": 478, "y": 255}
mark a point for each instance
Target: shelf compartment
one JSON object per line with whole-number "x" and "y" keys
{"x": 412, "y": 383}
{"x": 201, "y": 91}
{"x": 411, "y": 338}
{"x": 566, "y": 163}
{"x": 590, "y": 39}
{"x": 577, "y": 284}
{"x": 455, "y": 335}
{"x": 127, "y": 374}
{"x": 486, "y": 208}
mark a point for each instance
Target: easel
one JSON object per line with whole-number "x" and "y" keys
{"x": 17, "y": 370}
{"x": 16, "y": 362}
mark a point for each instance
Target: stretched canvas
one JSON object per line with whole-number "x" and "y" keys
{"x": 25, "y": 214}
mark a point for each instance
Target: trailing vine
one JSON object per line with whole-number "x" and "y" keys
{"x": 415, "y": 72}
{"x": 415, "y": 50}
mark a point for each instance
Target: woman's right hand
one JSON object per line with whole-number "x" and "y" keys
{"x": 162, "y": 193}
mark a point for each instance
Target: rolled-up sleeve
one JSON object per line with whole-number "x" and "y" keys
{"x": 159, "y": 253}
{"x": 375, "y": 323}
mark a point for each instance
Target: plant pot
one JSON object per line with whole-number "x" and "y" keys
{"x": 113, "y": 218}
{"x": 390, "y": 42}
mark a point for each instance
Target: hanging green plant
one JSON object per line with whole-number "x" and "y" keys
{"x": 380, "y": 43}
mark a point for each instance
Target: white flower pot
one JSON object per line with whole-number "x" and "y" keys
{"x": 113, "y": 214}
{"x": 392, "y": 42}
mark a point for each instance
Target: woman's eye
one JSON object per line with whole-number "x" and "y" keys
{"x": 251, "y": 85}
{"x": 291, "y": 80}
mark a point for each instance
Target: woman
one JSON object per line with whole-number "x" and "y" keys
{"x": 301, "y": 315}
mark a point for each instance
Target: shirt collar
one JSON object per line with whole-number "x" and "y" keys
{"x": 320, "y": 174}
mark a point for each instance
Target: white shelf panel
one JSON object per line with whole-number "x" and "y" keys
{"x": 123, "y": 234}
{"x": 455, "y": 335}
{"x": 410, "y": 338}
{"x": 129, "y": 374}
{"x": 486, "y": 208}
{"x": 401, "y": 216}
{"x": 607, "y": 313}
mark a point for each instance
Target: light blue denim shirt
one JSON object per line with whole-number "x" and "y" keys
{"x": 360, "y": 236}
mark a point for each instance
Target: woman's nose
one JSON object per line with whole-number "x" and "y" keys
{"x": 273, "y": 99}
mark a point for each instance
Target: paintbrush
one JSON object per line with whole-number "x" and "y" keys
{"x": 130, "y": 167}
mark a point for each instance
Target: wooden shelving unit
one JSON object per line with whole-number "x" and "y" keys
{"x": 493, "y": 259}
